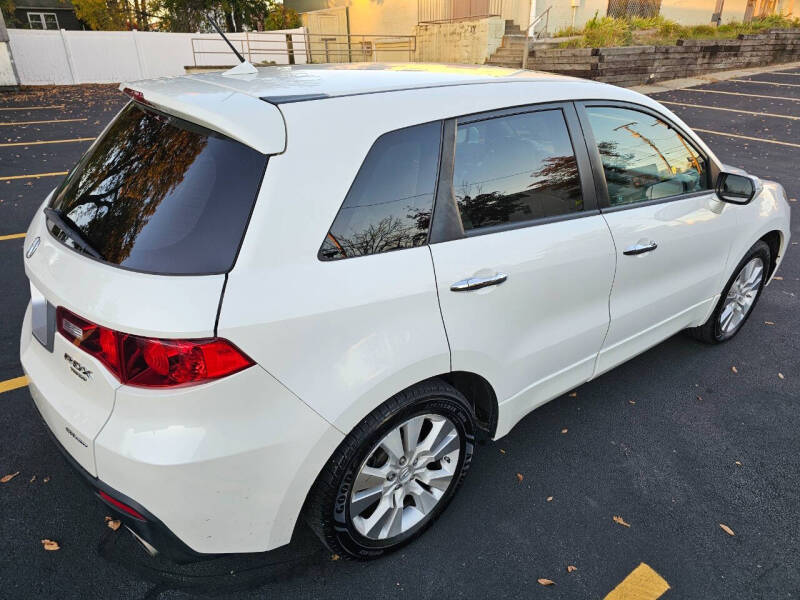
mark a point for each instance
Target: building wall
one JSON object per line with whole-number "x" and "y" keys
{"x": 686, "y": 12}
{"x": 469, "y": 41}
{"x": 66, "y": 17}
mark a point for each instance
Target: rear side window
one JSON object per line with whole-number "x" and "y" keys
{"x": 389, "y": 204}
{"x": 161, "y": 195}
{"x": 516, "y": 168}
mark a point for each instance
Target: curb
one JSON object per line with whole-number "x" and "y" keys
{"x": 677, "y": 84}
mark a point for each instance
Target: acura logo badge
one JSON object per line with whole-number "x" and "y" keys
{"x": 32, "y": 248}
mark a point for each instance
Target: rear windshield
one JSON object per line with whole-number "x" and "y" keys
{"x": 159, "y": 194}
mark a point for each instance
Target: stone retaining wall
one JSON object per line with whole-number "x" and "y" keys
{"x": 637, "y": 65}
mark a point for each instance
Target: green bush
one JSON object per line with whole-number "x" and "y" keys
{"x": 600, "y": 32}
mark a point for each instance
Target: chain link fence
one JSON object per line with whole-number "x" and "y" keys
{"x": 633, "y": 8}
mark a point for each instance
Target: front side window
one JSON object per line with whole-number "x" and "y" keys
{"x": 389, "y": 204}
{"x": 643, "y": 157}
{"x": 514, "y": 169}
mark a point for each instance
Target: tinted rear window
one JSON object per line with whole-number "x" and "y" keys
{"x": 162, "y": 195}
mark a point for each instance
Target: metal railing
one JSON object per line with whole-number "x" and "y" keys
{"x": 267, "y": 48}
{"x": 532, "y": 28}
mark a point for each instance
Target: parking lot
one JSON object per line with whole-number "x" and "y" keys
{"x": 641, "y": 465}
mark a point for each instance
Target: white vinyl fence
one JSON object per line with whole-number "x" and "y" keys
{"x": 52, "y": 57}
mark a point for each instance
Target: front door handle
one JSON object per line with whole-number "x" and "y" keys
{"x": 640, "y": 247}
{"x": 476, "y": 283}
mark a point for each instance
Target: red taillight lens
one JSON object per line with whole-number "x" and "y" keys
{"x": 153, "y": 362}
{"x": 136, "y": 95}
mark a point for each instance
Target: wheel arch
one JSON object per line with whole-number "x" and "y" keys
{"x": 773, "y": 239}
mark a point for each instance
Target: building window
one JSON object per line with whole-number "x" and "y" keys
{"x": 42, "y": 20}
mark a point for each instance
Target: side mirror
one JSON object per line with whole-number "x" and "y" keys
{"x": 734, "y": 188}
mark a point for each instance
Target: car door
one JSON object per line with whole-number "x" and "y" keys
{"x": 523, "y": 259}
{"x": 672, "y": 233}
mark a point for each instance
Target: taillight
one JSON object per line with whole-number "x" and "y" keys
{"x": 152, "y": 362}
{"x": 136, "y": 95}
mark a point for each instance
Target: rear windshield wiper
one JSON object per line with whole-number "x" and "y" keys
{"x": 71, "y": 230}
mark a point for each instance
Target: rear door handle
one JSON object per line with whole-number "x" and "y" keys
{"x": 640, "y": 247}
{"x": 476, "y": 283}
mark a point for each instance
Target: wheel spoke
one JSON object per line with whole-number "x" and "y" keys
{"x": 726, "y": 315}
{"x": 423, "y": 499}
{"x": 411, "y": 430}
{"x": 446, "y": 445}
{"x": 392, "y": 444}
{"x": 362, "y": 500}
{"x": 370, "y": 477}
{"x": 436, "y": 478}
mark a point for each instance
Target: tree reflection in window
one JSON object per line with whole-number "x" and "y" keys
{"x": 155, "y": 190}
{"x": 515, "y": 168}
{"x": 389, "y": 204}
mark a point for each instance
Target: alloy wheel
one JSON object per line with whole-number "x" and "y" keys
{"x": 741, "y": 296}
{"x": 405, "y": 476}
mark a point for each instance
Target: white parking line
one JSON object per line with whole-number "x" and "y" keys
{"x": 740, "y": 94}
{"x": 746, "y": 137}
{"x": 764, "y": 82}
{"x": 782, "y": 73}
{"x": 736, "y": 110}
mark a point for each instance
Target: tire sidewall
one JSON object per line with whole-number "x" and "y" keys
{"x": 347, "y": 536}
{"x": 760, "y": 250}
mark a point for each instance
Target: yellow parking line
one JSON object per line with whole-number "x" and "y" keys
{"x": 736, "y": 110}
{"x": 33, "y": 176}
{"x": 741, "y": 94}
{"x": 764, "y": 82}
{"x": 643, "y": 583}
{"x": 46, "y": 142}
{"x": 15, "y": 123}
{"x": 13, "y": 384}
{"x": 747, "y": 137}
{"x": 13, "y": 236}
{"x": 32, "y": 107}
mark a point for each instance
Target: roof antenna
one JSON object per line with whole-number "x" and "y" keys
{"x": 244, "y": 67}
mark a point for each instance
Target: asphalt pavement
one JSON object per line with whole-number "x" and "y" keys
{"x": 673, "y": 443}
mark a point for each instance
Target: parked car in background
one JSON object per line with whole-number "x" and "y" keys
{"x": 307, "y": 291}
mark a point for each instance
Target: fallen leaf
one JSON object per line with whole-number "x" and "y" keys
{"x": 776, "y": 278}
{"x": 564, "y": 430}
{"x": 573, "y": 395}
{"x": 768, "y": 323}
{"x": 50, "y": 545}
{"x": 335, "y": 557}
{"x": 734, "y": 369}
{"x": 543, "y": 581}
{"x": 7, "y": 478}
{"x": 520, "y": 477}
{"x": 738, "y": 463}
{"x": 726, "y": 529}
{"x": 571, "y": 568}
{"x": 549, "y": 498}
{"x": 32, "y": 479}
{"x": 700, "y": 398}
{"x": 621, "y": 521}
{"x": 46, "y": 479}
{"x": 781, "y": 376}
{"x": 113, "y": 523}
{"x": 502, "y": 451}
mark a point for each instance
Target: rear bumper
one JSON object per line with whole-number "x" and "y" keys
{"x": 222, "y": 467}
{"x": 150, "y": 529}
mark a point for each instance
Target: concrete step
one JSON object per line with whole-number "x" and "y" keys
{"x": 511, "y": 64}
{"x": 508, "y": 52}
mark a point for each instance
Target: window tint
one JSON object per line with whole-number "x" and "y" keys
{"x": 643, "y": 157}
{"x": 161, "y": 195}
{"x": 515, "y": 168}
{"x": 389, "y": 204}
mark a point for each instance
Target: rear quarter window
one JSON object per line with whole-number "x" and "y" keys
{"x": 389, "y": 204}
{"x": 161, "y": 195}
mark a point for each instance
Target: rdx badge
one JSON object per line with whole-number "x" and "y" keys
{"x": 77, "y": 367}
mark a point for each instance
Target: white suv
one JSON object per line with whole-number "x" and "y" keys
{"x": 306, "y": 291}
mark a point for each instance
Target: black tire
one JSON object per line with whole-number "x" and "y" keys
{"x": 710, "y": 332}
{"x": 327, "y": 509}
